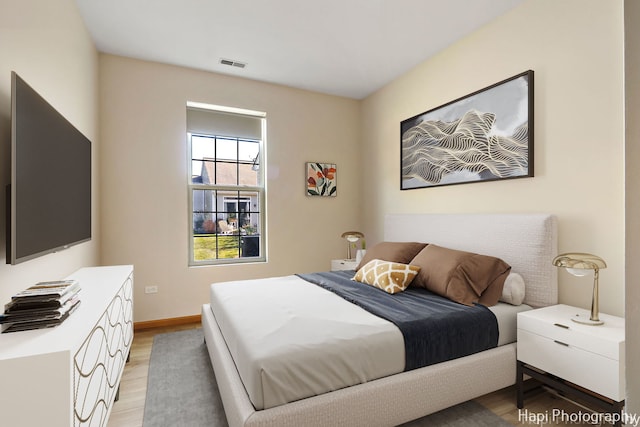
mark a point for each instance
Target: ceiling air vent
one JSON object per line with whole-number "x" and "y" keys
{"x": 231, "y": 63}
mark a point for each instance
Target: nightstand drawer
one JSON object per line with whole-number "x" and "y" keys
{"x": 555, "y": 323}
{"x": 565, "y": 332}
{"x": 590, "y": 370}
{"x": 343, "y": 264}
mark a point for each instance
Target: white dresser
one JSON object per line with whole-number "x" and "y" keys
{"x": 591, "y": 357}
{"x": 69, "y": 375}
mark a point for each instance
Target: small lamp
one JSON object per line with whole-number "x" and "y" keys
{"x": 352, "y": 237}
{"x": 580, "y": 264}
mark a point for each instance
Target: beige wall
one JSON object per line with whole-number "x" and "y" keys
{"x": 575, "y": 48}
{"x": 632, "y": 159}
{"x": 144, "y": 178}
{"x": 47, "y": 44}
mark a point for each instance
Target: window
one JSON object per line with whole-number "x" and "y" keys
{"x": 226, "y": 187}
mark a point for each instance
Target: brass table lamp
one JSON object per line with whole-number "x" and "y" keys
{"x": 352, "y": 237}
{"x": 581, "y": 264}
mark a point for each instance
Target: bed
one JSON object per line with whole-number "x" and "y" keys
{"x": 527, "y": 242}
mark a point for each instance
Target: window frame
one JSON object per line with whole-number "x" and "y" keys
{"x": 239, "y": 189}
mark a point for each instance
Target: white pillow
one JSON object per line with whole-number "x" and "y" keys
{"x": 513, "y": 290}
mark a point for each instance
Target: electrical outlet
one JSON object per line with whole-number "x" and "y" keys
{"x": 150, "y": 289}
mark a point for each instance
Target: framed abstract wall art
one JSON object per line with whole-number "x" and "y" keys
{"x": 484, "y": 136}
{"x": 321, "y": 179}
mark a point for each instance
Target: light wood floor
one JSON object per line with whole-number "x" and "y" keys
{"x": 129, "y": 409}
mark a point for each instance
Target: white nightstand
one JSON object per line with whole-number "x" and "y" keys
{"x": 343, "y": 264}
{"x": 580, "y": 360}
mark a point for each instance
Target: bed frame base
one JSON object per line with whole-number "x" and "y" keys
{"x": 387, "y": 401}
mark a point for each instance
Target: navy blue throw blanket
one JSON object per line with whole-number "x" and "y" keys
{"x": 434, "y": 328}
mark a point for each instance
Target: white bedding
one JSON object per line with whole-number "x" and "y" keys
{"x": 507, "y": 321}
{"x": 291, "y": 339}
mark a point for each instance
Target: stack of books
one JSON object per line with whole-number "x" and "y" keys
{"x": 43, "y": 305}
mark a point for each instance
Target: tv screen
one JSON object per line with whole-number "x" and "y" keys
{"x": 49, "y": 204}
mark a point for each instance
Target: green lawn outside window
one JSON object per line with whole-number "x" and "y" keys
{"x": 205, "y": 245}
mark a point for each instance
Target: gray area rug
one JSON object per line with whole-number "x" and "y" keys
{"x": 182, "y": 391}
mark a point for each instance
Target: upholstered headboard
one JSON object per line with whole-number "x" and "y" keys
{"x": 527, "y": 242}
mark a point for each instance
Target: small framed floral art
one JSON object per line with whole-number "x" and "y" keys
{"x": 321, "y": 179}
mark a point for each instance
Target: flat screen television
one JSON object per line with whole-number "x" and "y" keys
{"x": 49, "y": 198}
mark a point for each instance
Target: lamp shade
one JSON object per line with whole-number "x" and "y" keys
{"x": 579, "y": 261}
{"x": 352, "y": 236}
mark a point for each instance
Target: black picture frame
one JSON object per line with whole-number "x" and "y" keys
{"x": 486, "y": 135}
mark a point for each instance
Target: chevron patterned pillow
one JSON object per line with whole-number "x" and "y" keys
{"x": 391, "y": 277}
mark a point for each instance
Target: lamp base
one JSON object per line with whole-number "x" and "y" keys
{"x": 584, "y": 320}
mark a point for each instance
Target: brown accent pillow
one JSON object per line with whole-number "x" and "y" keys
{"x": 401, "y": 252}
{"x": 461, "y": 276}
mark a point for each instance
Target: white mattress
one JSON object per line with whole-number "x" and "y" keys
{"x": 291, "y": 339}
{"x": 507, "y": 321}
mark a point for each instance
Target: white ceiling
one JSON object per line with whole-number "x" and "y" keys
{"x": 342, "y": 47}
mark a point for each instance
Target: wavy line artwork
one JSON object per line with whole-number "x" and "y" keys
{"x": 434, "y": 151}
{"x": 484, "y": 136}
